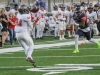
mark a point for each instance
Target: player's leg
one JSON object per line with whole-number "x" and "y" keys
{"x": 73, "y": 30}
{"x": 33, "y": 32}
{"x": 64, "y": 29}
{"x": 57, "y": 29}
{"x": 78, "y": 33}
{"x": 38, "y": 31}
{"x": 42, "y": 29}
{"x": 60, "y": 30}
{"x": 56, "y": 32}
{"x": 87, "y": 34}
{"x": 21, "y": 42}
{"x": 63, "y": 34}
{"x": 95, "y": 29}
{"x": 92, "y": 30}
{"x": 29, "y": 42}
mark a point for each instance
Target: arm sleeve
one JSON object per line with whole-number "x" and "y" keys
{"x": 27, "y": 18}
{"x": 30, "y": 24}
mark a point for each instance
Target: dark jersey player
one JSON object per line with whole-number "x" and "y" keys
{"x": 83, "y": 28}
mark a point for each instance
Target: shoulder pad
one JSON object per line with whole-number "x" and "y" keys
{"x": 26, "y": 17}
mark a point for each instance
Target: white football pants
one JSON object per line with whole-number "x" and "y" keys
{"x": 26, "y": 42}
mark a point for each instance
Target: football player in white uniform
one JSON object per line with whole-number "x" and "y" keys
{"x": 23, "y": 37}
{"x": 15, "y": 9}
{"x": 92, "y": 20}
{"x": 34, "y": 16}
{"x": 98, "y": 24}
{"x": 41, "y": 23}
{"x": 71, "y": 27}
{"x": 63, "y": 17}
{"x": 54, "y": 13}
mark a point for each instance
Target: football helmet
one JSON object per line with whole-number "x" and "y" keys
{"x": 62, "y": 6}
{"x": 55, "y": 6}
{"x": 23, "y": 9}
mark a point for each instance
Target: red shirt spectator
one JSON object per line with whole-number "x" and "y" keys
{"x": 12, "y": 21}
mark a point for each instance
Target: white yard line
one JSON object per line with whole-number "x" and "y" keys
{"x": 6, "y": 53}
{"x": 55, "y": 66}
{"x": 15, "y": 49}
{"x": 57, "y": 49}
{"x": 65, "y": 49}
{"x": 10, "y": 67}
{"x": 53, "y": 57}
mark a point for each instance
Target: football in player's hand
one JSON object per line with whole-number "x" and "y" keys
{"x": 35, "y": 10}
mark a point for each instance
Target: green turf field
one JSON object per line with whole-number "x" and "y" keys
{"x": 50, "y": 58}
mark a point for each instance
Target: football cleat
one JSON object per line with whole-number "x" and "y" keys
{"x": 76, "y": 51}
{"x": 34, "y": 64}
{"x": 98, "y": 45}
{"x": 31, "y": 60}
{"x": 63, "y": 38}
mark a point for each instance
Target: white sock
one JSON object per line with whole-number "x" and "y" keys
{"x": 63, "y": 36}
{"x": 84, "y": 39}
{"x": 60, "y": 36}
{"x": 55, "y": 33}
{"x": 37, "y": 35}
{"x": 41, "y": 34}
{"x": 76, "y": 42}
{"x": 33, "y": 34}
{"x": 93, "y": 40}
{"x": 69, "y": 34}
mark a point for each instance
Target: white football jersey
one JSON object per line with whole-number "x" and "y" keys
{"x": 54, "y": 13}
{"x": 71, "y": 17}
{"x": 51, "y": 20}
{"x": 83, "y": 8}
{"x": 64, "y": 15}
{"x": 91, "y": 16}
{"x": 98, "y": 14}
{"x": 24, "y": 23}
{"x": 14, "y": 11}
{"x": 42, "y": 15}
{"x": 34, "y": 15}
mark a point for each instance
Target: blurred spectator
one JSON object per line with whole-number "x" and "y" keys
{"x": 11, "y": 26}
{"x": 15, "y": 9}
{"x": 41, "y": 3}
{"x": 4, "y": 23}
{"x": 96, "y": 7}
{"x": 7, "y": 9}
{"x": 0, "y": 25}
